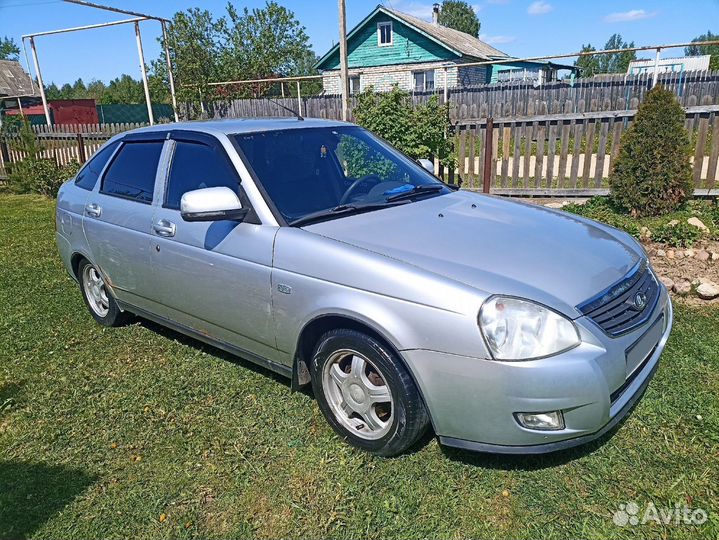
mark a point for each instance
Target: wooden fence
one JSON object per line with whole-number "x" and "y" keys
{"x": 519, "y": 98}
{"x": 549, "y": 155}
{"x": 63, "y": 143}
{"x": 565, "y": 154}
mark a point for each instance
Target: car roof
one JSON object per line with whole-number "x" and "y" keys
{"x": 243, "y": 125}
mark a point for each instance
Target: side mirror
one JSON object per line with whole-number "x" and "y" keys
{"x": 211, "y": 204}
{"x": 427, "y": 164}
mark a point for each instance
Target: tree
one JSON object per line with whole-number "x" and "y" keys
{"x": 652, "y": 175}
{"x": 606, "y": 63}
{"x": 460, "y": 16}
{"x": 124, "y": 89}
{"x": 616, "y": 62}
{"x": 589, "y": 65}
{"x": 698, "y": 50}
{"x": 195, "y": 47}
{"x": 255, "y": 44}
{"x": 9, "y": 49}
{"x": 263, "y": 43}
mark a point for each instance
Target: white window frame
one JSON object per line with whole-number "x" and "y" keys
{"x": 359, "y": 84}
{"x": 380, "y": 25}
{"x": 424, "y": 73}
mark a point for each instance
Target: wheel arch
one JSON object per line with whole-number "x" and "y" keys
{"x": 319, "y": 325}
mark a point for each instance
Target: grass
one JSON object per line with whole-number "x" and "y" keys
{"x": 138, "y": 432}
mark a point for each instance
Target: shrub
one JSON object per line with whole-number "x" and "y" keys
{"x": 651, "y": 175}
{"x": 677, "y": 234}
{"x": 41, "y": 176}
{"x": 419, "y": 131}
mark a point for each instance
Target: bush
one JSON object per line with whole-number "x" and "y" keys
{"x": 41, "y": 176}
{"x": 651, "y": 175}
{"x": 419, "y": 131}
{"x": 677, "y": 234}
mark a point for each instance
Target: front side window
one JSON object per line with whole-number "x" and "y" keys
{"x": 198, "y": 166}
{"x": 384, "y": 34}
{"x": 88, "y": 175}
{"x": 305, "y": 171}
{"x": 131, "y": 175}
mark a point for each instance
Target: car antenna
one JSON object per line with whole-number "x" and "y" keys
{"x": 294, "y": 112}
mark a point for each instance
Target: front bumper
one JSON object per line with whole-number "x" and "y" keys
{"x": 472, "y": 401}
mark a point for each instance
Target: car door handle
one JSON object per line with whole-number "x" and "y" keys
{"x": 164, "y": 227}
{"x": 93, "y": 210}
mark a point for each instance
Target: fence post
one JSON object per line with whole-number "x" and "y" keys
{"x": 81, "y": 149}
{"x": 488, "y": 172}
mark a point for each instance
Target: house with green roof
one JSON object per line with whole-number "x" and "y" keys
{"x": 390, "y": 48}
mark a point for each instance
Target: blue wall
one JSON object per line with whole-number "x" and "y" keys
{"x": 408, "y": 46}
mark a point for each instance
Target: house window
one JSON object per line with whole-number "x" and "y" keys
{"x": 423, "y": 80}
{"x": 355, "y": 85}
{"x": 384, "y": 34}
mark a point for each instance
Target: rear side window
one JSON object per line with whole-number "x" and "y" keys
{"x": 197, "y": 166}
{"x": 87, "y": 177}
{"x": 131, "y": 175}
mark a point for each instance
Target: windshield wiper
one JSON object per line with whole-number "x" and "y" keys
{"x": 417, "y": 190}
{"x": 341, "y": 210}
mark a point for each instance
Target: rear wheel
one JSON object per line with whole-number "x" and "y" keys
{"x": 366, "y": 394}
{"x": 99, "y": 301}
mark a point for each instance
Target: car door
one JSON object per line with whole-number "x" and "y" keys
{"x": 214, "y": 277}
{"x": 117, "y": 218}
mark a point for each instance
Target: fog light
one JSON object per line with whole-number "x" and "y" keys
{"x": 545, "y": 421}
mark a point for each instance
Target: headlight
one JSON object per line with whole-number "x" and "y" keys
{"x": 517, "y": 329}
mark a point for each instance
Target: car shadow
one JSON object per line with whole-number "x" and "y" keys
{"x": 32, "y": 493}
{"x": 197, "y": 344}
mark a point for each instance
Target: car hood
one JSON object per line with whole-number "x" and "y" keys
{"x": 496, "y": 245}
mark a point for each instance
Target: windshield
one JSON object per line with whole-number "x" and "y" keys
{"x": 308, "y": 171}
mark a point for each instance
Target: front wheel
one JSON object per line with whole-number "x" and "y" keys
{"x": 366, "y": 394}
{"x": 99, "y": 301}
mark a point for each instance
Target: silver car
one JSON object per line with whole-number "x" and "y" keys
{"x": 319, "y": 251}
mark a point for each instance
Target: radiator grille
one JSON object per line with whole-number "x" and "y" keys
{"x": 624, "y": 305}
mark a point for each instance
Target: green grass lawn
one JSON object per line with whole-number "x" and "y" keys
{"x": 139, "y": 432}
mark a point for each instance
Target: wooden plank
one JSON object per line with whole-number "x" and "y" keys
{"x": 563, "y": 151}
{"x": 518, "y": 133}
{"x": 630, "y": 113}
{"x": 495, "y": 152}
{"x": 712, "y": 172}
{"x": 551, "y": 150}
{"x": 470, "y": 149}
{"x": 579, "y": 129}
{"x": 601, "y": 152}
{"x": 539, "y": 161}
{"x": 699, "y": 150}
{"x": 479, "y": 163}
{"x": 617, "y": 131}
{"x": 506, "y": 137}
{"x": 588, "y": 151}
{"x": 529, "y": 132}
{"x": 462, "y": 155}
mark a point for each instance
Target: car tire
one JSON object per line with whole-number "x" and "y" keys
{"x": 100, "y": 303}
{"x": 366, "y": 394}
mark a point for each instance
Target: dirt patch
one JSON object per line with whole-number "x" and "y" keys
{"x": 685, "y": 265}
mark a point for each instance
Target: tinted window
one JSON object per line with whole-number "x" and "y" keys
{"x": 87, "y": 177}
{"x": 197, "y": 166}
{"x": 132, "y": 173}
{"x": 309, "y": 170}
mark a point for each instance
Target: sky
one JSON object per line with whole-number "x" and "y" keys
{"x": 521, "y": 28}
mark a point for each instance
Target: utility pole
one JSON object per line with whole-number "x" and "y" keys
{"x": 343, "y": 62}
